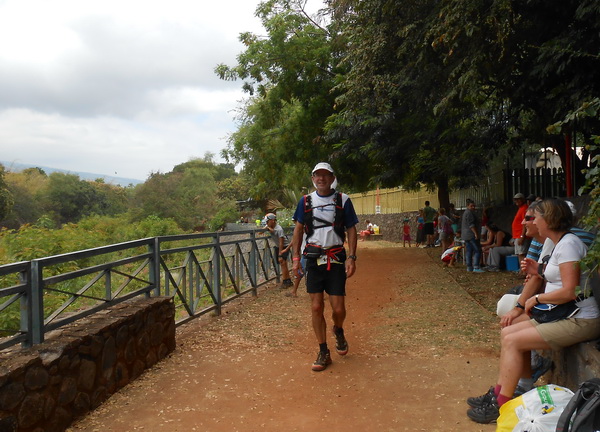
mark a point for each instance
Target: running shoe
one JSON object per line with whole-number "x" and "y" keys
{"x": 323, "y": 360}
{"x": 486, "y": 413}
{"x": 341, "y": 344}
{"x": 478, "y": 401}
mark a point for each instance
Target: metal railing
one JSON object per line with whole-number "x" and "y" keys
{"x": 201, "y": 272}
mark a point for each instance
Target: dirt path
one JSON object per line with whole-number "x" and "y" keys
{"x": 419, "y": 345}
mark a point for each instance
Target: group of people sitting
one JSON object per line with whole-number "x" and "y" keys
{"x": 488, "y": 246}
{"x": 555, "y": 307}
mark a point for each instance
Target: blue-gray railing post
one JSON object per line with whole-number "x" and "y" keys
{"x": 154, "y": 266}
{"x": 253, "y": 263}
{"x": 216, "y": 262}
{"x": 37, "y": 303}
{"x": 25, "y": 306}
{"x": 108, "y": 285}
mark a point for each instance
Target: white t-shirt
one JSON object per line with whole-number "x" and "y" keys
{"x": 569, "y": 249}
{"x": 324, "y": 208}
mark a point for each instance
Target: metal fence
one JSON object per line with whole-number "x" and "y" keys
{"x": 201, "y": 272}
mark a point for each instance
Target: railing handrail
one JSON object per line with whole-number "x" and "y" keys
{"x": 233, "y": 263}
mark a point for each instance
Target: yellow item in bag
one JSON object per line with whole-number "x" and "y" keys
{"x": 538, "y": 410}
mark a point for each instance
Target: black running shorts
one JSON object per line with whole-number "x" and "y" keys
{"x": 319, "y": 279}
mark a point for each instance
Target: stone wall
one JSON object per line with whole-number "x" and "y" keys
{"x": 46, "y": 387}
{"x": 390, "y": 225}
{"x": 575, "y": 364}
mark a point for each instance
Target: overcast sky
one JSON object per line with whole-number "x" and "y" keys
{"x": 118, "y": 87}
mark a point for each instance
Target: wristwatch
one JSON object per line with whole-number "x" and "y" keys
{"x": 352, "y": 257}
{"x": 537, "y": 299}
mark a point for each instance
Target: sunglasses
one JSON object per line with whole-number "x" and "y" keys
{"x": 529, "y": 218}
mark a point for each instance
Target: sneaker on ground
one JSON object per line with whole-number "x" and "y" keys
{"x": 341, "y": 344}
{"x": 287, "y": 283}
{"x": 486, "y": 413}
{"x": 478, "y": 270}
{"x": 323, "y": 360}
{"x": 493, "y": 269}
{"x": 484, "y": 399}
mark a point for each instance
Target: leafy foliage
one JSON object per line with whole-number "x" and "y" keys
{"x": 289, "y": 76}
{"x": 588, "y": 110}
{"x": 6, "y": 198}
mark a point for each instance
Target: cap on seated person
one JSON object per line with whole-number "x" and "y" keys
{"x": 270, "y": 216}
{"x": 519, "y": 196}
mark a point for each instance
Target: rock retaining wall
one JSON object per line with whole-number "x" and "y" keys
{"x": 46, "y": 387}
{"x": 575, "y": 364}
{"x": 390, "y": 225}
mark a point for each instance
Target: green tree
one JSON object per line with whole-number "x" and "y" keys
{"x": 188, "y": 194}
{"x": 26, "y": 187}
{"x": 289, "y": 75}
{"x": 399, "y": 111}
{"x": 69, "y": 198}
{"x": 6, "y": 197}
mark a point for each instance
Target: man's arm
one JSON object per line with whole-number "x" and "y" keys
{"x": 352, "y": 242}
{"x": 297, "y": 249}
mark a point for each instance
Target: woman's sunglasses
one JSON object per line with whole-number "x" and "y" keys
{"x": 529, "y": 218}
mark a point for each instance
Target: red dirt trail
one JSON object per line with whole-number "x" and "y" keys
{"x": 417, "y": 351}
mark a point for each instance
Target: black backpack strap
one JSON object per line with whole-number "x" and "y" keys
{"x": 308, "y": 216}
{"x": 580, "y": 403}
{"x": 338, "y": 223}
{"x": 590, "y": 391}
{"x": 565, "y": 418}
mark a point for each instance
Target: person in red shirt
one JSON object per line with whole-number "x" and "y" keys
{"x": 517, "y": 244}
{"x": 517, "y": 226}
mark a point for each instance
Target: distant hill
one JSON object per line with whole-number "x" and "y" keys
{"x": 122, "y": 181}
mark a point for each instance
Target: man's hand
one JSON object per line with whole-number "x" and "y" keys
{"x": 297, "y": 269}
{"x": 350, "y": 267}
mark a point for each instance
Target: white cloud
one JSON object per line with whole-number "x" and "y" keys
{"x": 124, "y": 86}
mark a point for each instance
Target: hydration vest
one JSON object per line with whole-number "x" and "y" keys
{"x": 310, "y": 220}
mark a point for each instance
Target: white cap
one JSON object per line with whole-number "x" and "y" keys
{"x": 506, "y": 303}
{"x": 270, "y": 216}
{"x": 322, "y": 165}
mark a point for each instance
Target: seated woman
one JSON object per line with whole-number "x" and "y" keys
{"x": 367, "y": 232}
{"x": 496, "y": 238}
{"x": 521, "y": 334}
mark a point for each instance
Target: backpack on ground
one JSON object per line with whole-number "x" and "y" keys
{"x": 582, "y": 413}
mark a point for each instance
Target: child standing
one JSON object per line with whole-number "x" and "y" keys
{"x": 420, "y": 222}
{"x": 406, "y": 232}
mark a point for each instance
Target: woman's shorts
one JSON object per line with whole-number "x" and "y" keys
{"x": 567, "y": 332}
{"x": 428, "y": 228}
{"x": 319, "y": 279}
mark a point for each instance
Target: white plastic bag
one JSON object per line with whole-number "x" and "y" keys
{"x": 537, "y": 410}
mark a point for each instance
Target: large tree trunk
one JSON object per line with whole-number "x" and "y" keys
{"x": 443, "y": 192}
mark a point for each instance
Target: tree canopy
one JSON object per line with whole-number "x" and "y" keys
{"x": 409, "y": 92}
